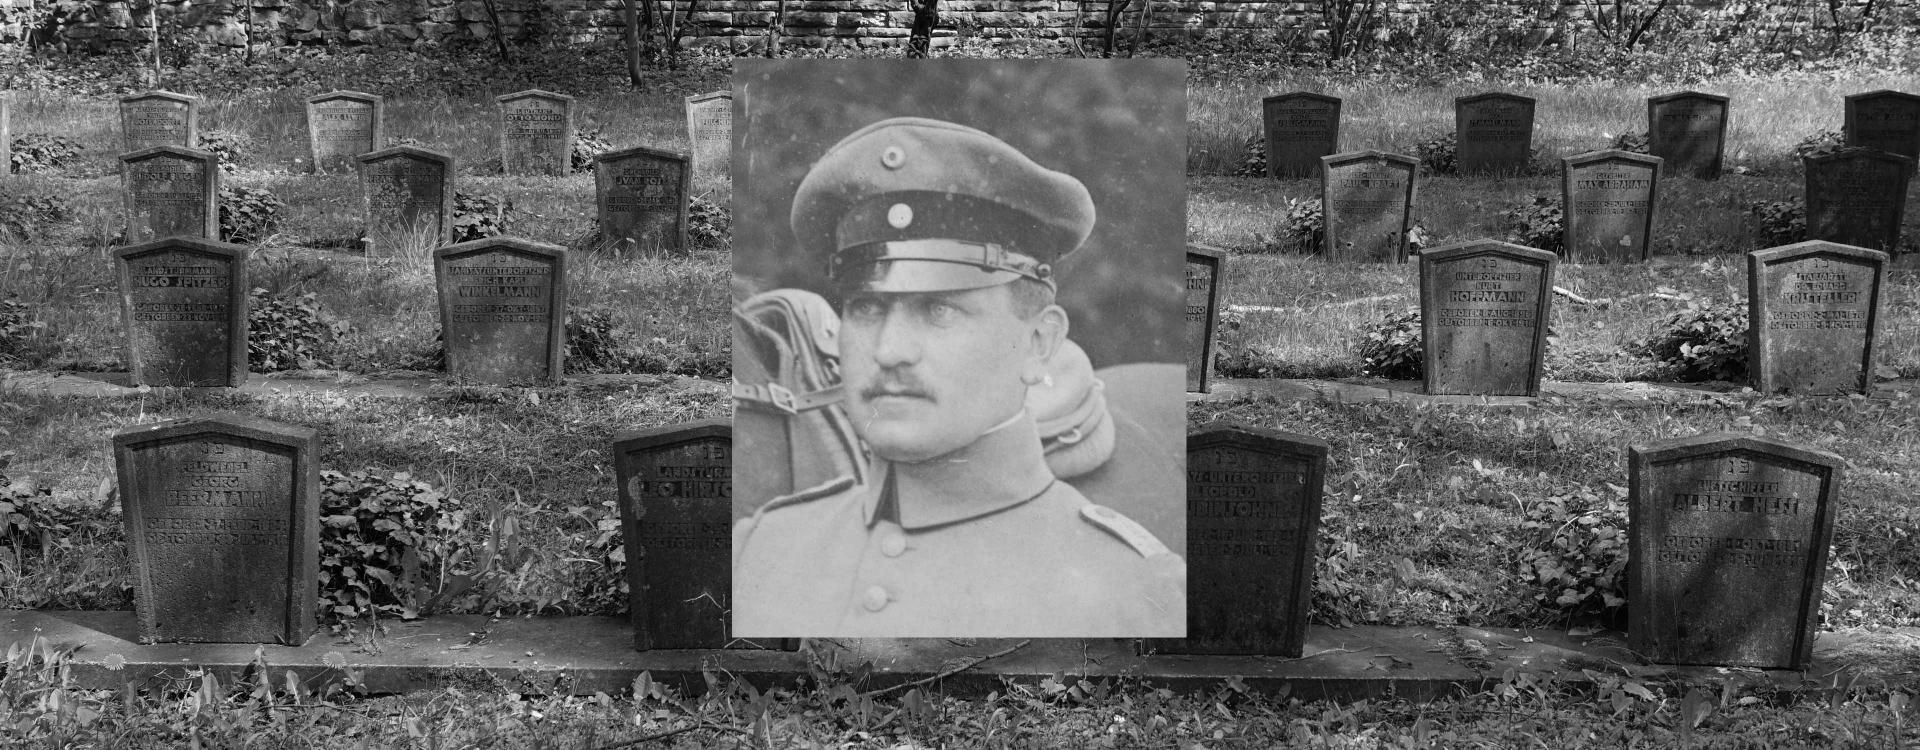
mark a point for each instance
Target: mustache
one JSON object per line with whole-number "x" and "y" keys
{"x": 895, "y": 385}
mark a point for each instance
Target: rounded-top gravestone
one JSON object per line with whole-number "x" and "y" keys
{"x": 159, "y": 118}
{"x": 503, "y": 310}
{"x": 342, "y": 125}
{"x": 536, "y": 132}
{"x": 1812, "y": 317}
{"x": 1484, "y": 308}
{"x": 1301, "y": 127}
{"x": 1610, "y": 199}
{"x": 184, "y": 304}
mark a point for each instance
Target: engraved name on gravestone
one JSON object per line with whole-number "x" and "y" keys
{"x": 407, "y": 196}
{"x": 1610, "y": 198}
{"x": 171, "y": 191}
{"x": 1812, "y": 314}
{"x": 222, "y": 520}
{"x": 536, "y": 132}
{"x": 1204, "y": 266}
{"x": 342, "y": 125}
{"x": 1689, "y": 131}
{"x": 1857, "y": 197}
{"x": 159, "y": 118}
{"x": 1885, "y": 121}
{"x": 503, "y": 310}
{"x": 184, "y": 304}
{"x": 1483, "y": 310}
{"x": 676, "y": 510}
{"x": 643, "y": 198}
{"x": 1253, "y": 523}
{"x": 1493, "y": 133}
{"x": 710, "y": 129}
{"x": 1728, "y": 549}
{"x": 1301, "y": 127}
{"x": 1367, "y": 199}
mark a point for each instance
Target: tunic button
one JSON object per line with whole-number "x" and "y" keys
{"x": 893, "y": 546}
{"x": 876, "y": 599}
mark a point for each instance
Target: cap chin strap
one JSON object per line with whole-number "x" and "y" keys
{"x": 988, "y": 256}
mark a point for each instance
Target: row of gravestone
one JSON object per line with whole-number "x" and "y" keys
{"x": 1493, "y": 132}
{"x": 407, "y": 197}
{"x": 1610, "y": 201}
{"x": 1728, "y": 538}
{"x": 1812, "y": 311}
{"x": 503, "y": 306}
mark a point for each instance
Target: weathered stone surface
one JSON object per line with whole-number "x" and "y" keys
{"x": 183, "y": 302}
{"x": 1884, "y": 120}
{"x": 1609, "y": 200}
{"x": 1689, "y": 131}
{"x": 407, "y": 197}
{"x": 1253, "y": 525}
{"x": 1493, "y": 133}
{"x": 159, "y": 118}
{"x": 1813, "y": 317}
{"x": 503, "y": 310}
{"x": 1728, "y": 549}
{"x": 171, "y": 191}
{"x": 676, "y": 511}
{"x": 1484, "y": 309}
{"x": 710, "y": 129}
{"x": 1366, "y": 200}
{"x": 342, "y": 125}
{"x": 643, "y": 198}
{"x": 222, "y": 517}
{"x": 1857, "y": 197}
{"x": 536, "y": 132}
{"x": 1204, "y": 267}
{"x": 1300, "y": 128}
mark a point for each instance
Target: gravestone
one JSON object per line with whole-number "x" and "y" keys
{"x": 159, "y": 118}
{"x": 503, "y": 310}
{"x": 1812, "y": 317}
{"x": 643, "y": 198}
{"x": 676, "y": 510}
{"x": 1728, "y": 549}
{"x": 1493, "y": 133}
{"x": 1689, "y": 131}
{"x": 1253, "y": 525}
{"x": 171, "y": 192}
{"x": 342, "y": 125}
{"x": 710, "y": 129}
{"x": 1483, "y": 315}
{"x": 1857, "y": 197}
{"x": 222, "y": 518}
{"x": 1204, "y": 265}
{"x": 1301, "y": 128}
{"x": 1609, "y": 199}
{"x": 1366, "y": 199}
{"x": 536, "y": 132}
{"x": 184, "y": 304}
{"x": 407, "y": 197}
{"x": 1884, "y": 121}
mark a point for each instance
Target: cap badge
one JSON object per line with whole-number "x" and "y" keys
{"x": 899, "y": 215}
{"x": 892, "y": 157}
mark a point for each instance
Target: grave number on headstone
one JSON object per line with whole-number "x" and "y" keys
{"x": 171, "y": 192}
{"x": 1253, "y": 524}
{"x": 1493, "y": 133}
{"x": 407, "y": 196}
{"x": 1609, "y": 199}
{"x": 676, "y": 510}
{"x": 710, "y": 129}
{"x": 1204, "y": 267}
{"x": 1483, "y": 311}
{"x": 536, "y": 132}
{"x": 1857, "y": 197}
{"x": 1366, "y": 198}
{"x": 1728, "y": 549}
{"x": 1301, "y": 127}
{"x": 184, "y": 303}
{"x": 643, "y": 198}
{"x": 342, "y": 125}
{"x": 1884, "y": 121}
{"x": 159, "y": 118}
{"x": 1812, "y": 316}
{"x": 1689, "y": 131}
{"x": 222, "y": 519}
{"x": 503, "y": 310}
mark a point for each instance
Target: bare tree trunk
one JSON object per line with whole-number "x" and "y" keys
{"x": 1140, "y": 27}
{"x": 154, "y": 11}
{"x": 499, "y": 34}
{"x": 1115, "y": 9}
{"x": 775, "y": 27}
{"x": 1073, "y": 32}
{"x": 926, "y": 15}
{"x": 630, "y": 36}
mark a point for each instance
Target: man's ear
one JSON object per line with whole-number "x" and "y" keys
{"x": 1049, "y": 330}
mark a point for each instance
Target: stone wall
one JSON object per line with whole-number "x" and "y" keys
{"x": 736, "y": 24}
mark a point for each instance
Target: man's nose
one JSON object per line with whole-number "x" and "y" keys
{"x": 898, "y": 341}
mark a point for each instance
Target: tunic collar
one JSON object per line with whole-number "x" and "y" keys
{"x": 1004, "y": 468}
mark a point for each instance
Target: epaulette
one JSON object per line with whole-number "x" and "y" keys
{"x": 829, "y": 487}
{"x": 1125, "y": 529}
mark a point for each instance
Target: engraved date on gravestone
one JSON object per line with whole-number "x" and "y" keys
{"x": 676, "y": 503}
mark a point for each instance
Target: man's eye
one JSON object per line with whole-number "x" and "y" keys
{"x": 863, "y": 308}
{"x": 942, "y": 312}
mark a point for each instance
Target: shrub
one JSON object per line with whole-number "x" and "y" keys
{"x": 23, "y": 215}
{"x": 1639, "y": 143}
{"x": 1254, "y": 164}
{"x": 248, "y": 215}
{"x": 17, "y": 328}
{"x": 1438, "y": 155}
{"x": 1392, "y": 348}
{"x": 1303, "y": 226}
{"x": 478, "y": 216}
{"x": 1705, "y": 341}
{"x": 228, "y": 148}
{"x": 1538, "y": 224}
{"x": 586, "y": 145}
{"x": 379, "y": 537}
{"x": 1580, "y": 562}
{"x": 1819, "y": 144}
{"x": 43, "y": 152}
{"x": 287, "y": 333}
{"x": 596, "y": 343}
{"x": 1781, "y": 222}
{"x": 708, "y": 223}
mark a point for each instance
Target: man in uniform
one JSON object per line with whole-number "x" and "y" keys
{"x": 940, "y": 241}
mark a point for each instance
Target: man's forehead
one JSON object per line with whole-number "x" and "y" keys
{"x": 982, "y": 294}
